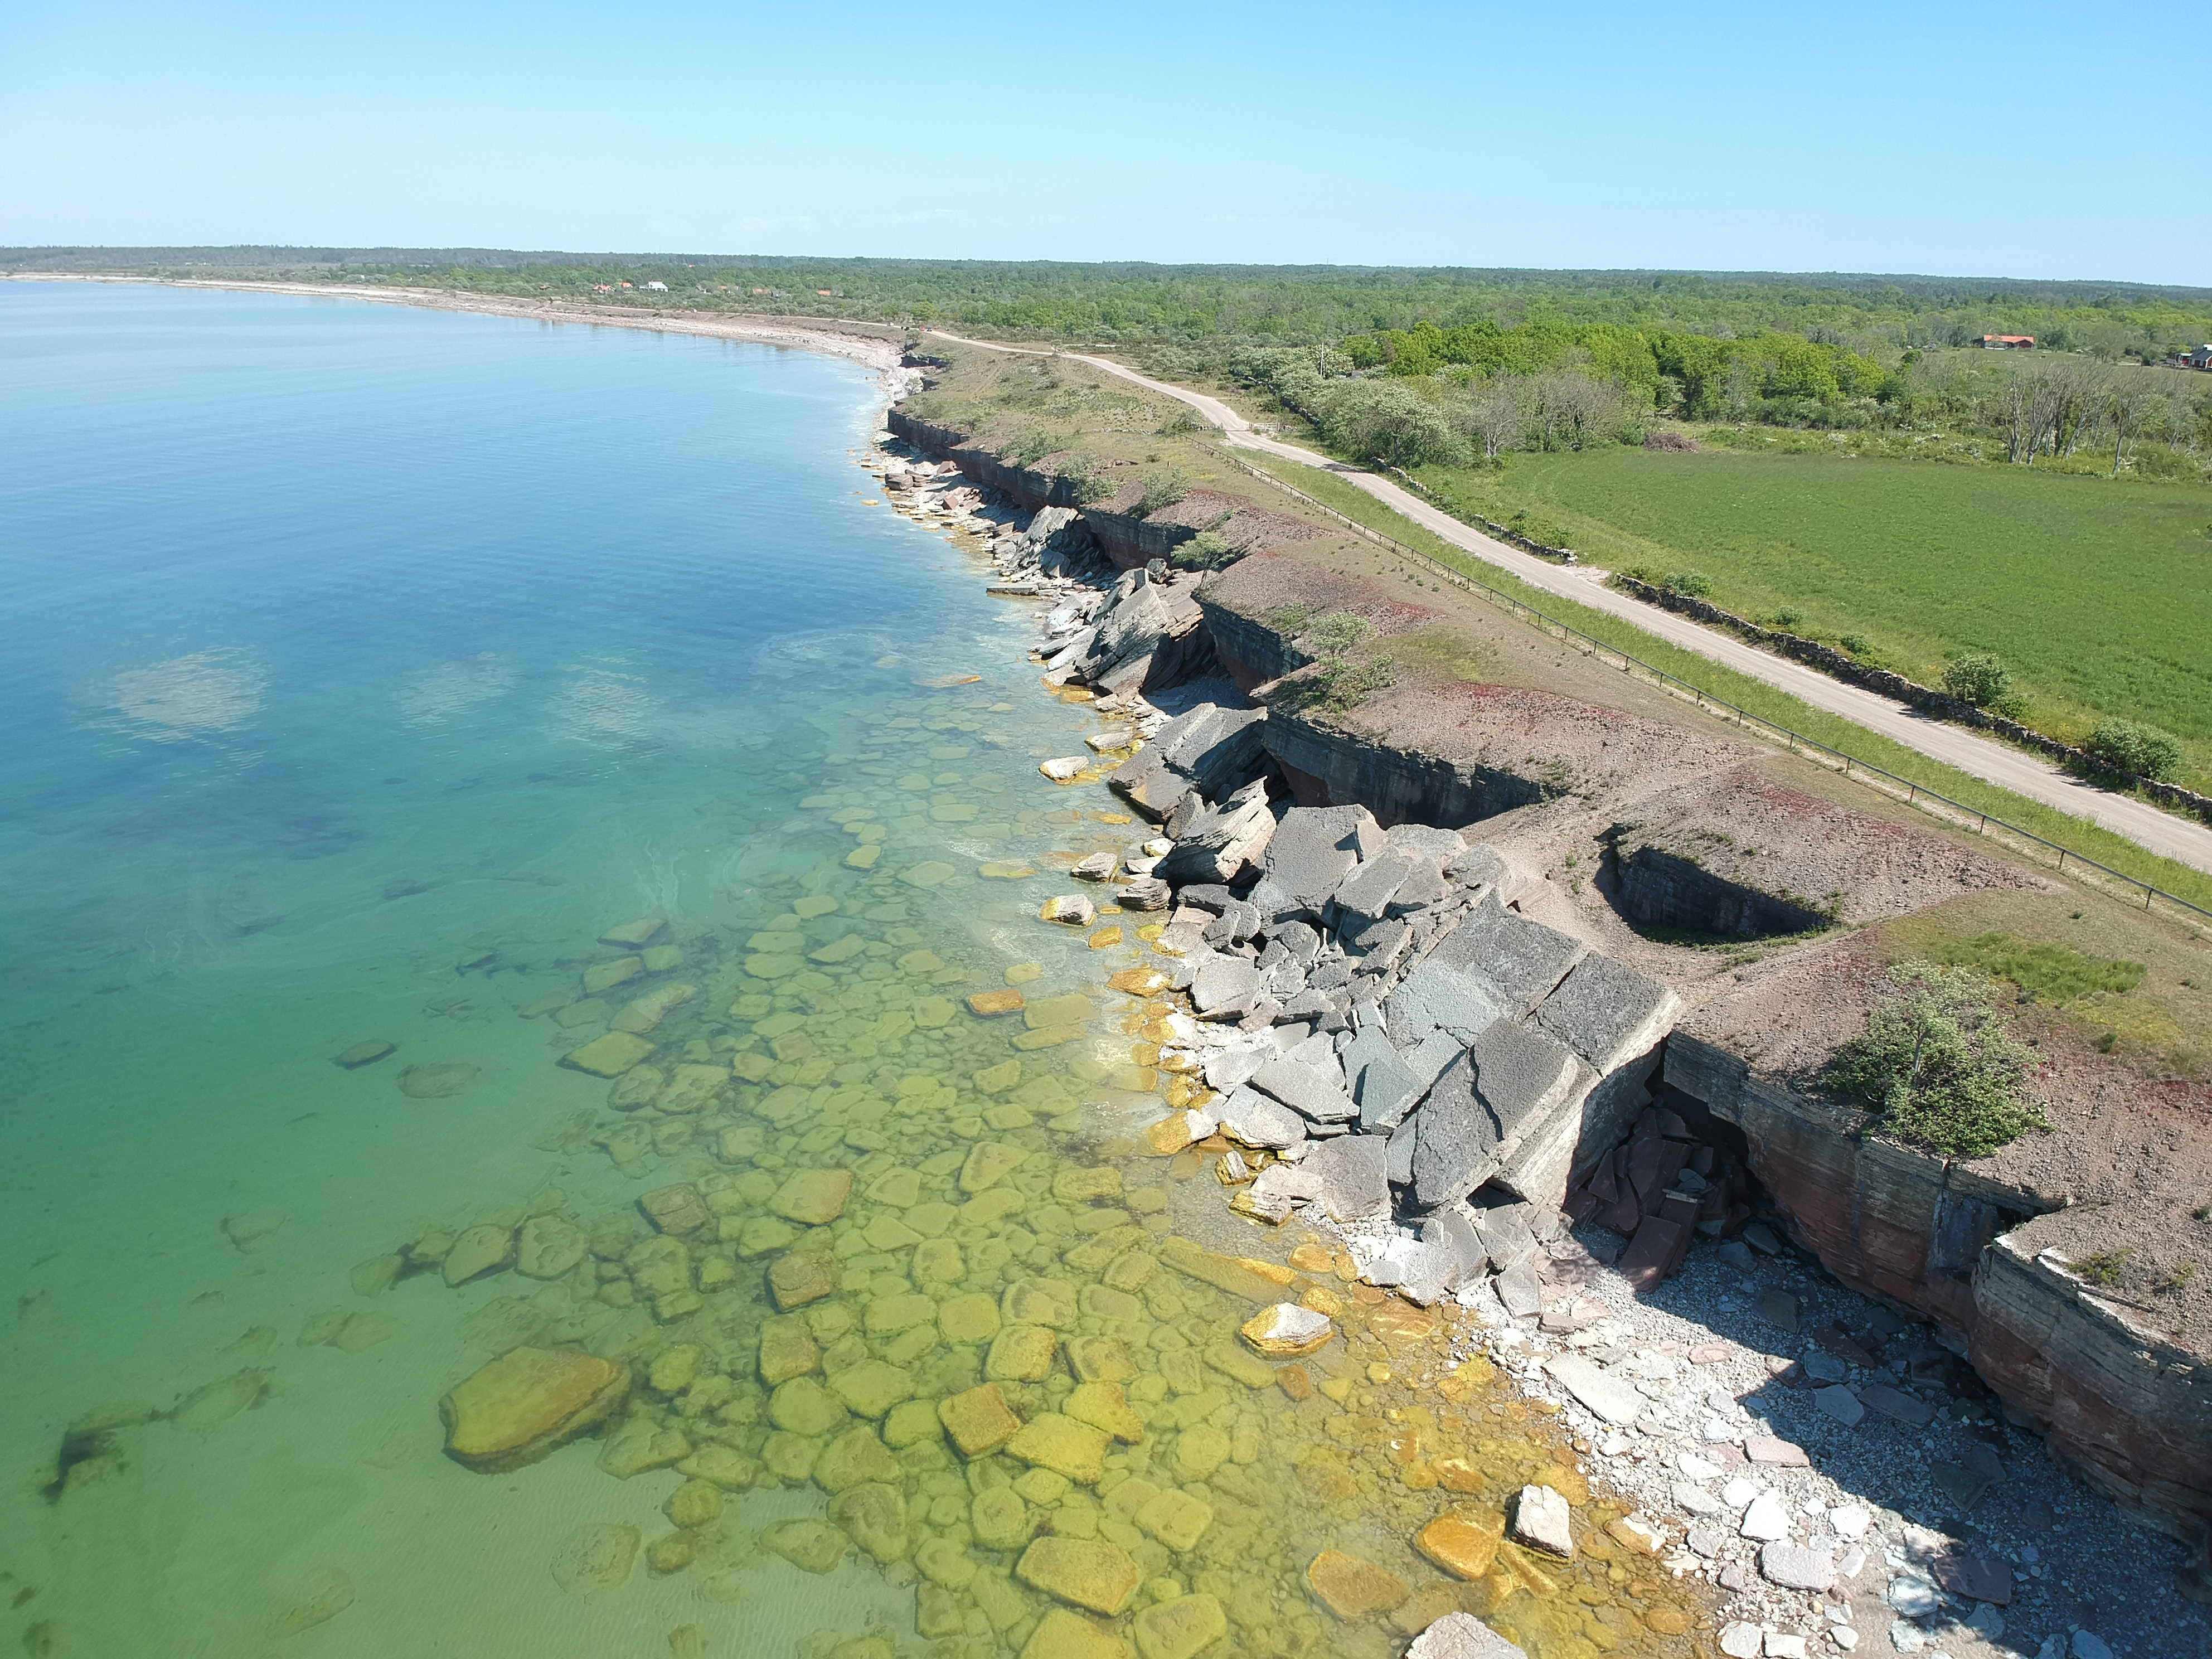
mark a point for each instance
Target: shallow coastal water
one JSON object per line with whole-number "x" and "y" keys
{"x": 370, "y": 672}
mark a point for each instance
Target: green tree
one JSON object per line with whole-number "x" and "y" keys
{"x": 1980, "y": 678}
{"x": 1937, "y": 1065}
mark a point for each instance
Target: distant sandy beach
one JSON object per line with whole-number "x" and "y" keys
{"x": 878, "y": 351}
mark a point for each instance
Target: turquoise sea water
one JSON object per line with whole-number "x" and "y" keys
{"x": 347, "y": 643}
{"x": 365, "y": 668}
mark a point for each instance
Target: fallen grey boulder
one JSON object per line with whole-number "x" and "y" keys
{"x": 1613, "y": 1398}
{"x": 1225, "y": 987}
{"x": 1352, "y": 1173}
{"x": 1311, "y": 851}
{"x": 1608, "y": 1013}
{"x": 1219, "y": 840}
{"x": 1462, "y": 1636}
{"x": 1251, "y": 1117}
{"x": 1540, "y": 1522}
{"x": 1306, "y": 1089}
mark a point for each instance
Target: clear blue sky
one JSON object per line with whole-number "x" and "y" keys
{"x": 2025, "y": 140}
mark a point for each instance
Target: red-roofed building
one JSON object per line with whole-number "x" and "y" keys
{"x": 2007, "y": 342}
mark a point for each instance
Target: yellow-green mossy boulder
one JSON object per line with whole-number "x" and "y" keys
{"x": 1463, "y": 1542}
{"x": 988, "y": 1162}
{"x": 690, "y": 1089}
{"x": 813, "y": 1198}
{"x": 1175, "y": 1518}
{"x": 1100, "y": 1360}
{"x": 548, "y": 1247}
{"x": 803, "y": 1405}
{"x": 872, "y": 1387}
{"x": 1021, "y": 1353}
{"x": 873, "y": 1516}
{"x": 1079, "y": 1186}
{"x": 971, "y": 1318}
{"x": 1064, "y": 1446}
{"x": 944, "y": 1562}
{"x": 999, "y": 1519}
{"x": 1179, "y": 1628}
{"x": 1088, "y": 1572}
{"x": 978, "y": 1420}
{"x": 910, "y": 1423}
{"x": 1039, "y": 1302}
{"x": 1286, "y": 1331}
{"x": 605, "y": 975}
{"x": 1351, "y": 1588}
{"x": 795, "y": 1281}
{"x": 938, "y": 1261}
{"x": 635, "y": 933}
{"x": 694, "y": 1504}
{"x": 1064, "y": 1635}
{"x": 1199, "y": 1450}
{"x": 609, "y": 1055}
{"x": 893, "y": 1314}
{"x": 807, "y": 1545}
{"x": 476, "y": 1252}
{"x": 791, "y": 1457}
{"x": 515, "y": 1410}
{"x": 1104, "y": 1407}
{"x": 787, "y": 1349}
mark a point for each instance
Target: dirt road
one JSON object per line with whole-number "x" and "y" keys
{"x": 1999, "y": 763}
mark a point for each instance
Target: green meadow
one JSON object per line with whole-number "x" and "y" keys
{"x": 2097, "y": 594}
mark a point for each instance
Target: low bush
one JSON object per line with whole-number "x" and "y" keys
{"x": 1208, "y": 550}
{"x": 1937, "y": 1064}
{"x": 1980, "y": 678}
{"x": 1693, "y": 583}
{"x": 1163, "y": 487}
{"x": 2133, "y": 747}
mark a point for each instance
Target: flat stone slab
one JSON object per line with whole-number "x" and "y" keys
{"x": 1258, "y": 1120}
{"x": 1841, "y": 1404}
{"x": 1775, "y": 1454}
{"x": 1521, "y": 961}
{"x": 1897, "y": 1404}
{"x": 1313, "y": 849}
{"x": 1976, "y": 1578}
{"x": 1225, "y": 987}
{"x": 1354, "y": 1171}
{"x": 1310, "y": 1092}
{"x": 1608, "y": 1011}
{"x": 1541, "y": 1520}
{"x": 1366, "y": 892}
{"x": 1795, "y": 1567}
{"x": 1614, "y": 1399}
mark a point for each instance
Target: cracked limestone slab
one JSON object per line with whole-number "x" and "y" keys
{"x": 1306, "y": 1089}
{"x": 1311, "y": 851}
{"x": 1614, "y": 1399}
{"x": 1353, "y": 1176}
{"x": 1608, "y": 1013}
{"x": 1518, "y": 961}
{"x": 1514, "y": 1081}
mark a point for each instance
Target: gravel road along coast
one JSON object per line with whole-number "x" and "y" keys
{"x": 2146, "y": 825}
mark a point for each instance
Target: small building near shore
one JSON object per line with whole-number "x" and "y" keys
{"x": 2007, "y": 342}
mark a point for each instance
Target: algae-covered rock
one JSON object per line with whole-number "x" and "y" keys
{"x": 807, "y": 1545}
{"x": 813, "y": 1198}
{"x": 548, "y": 1247}
{"x": 516, "y": 1409}
{"x": 1463, "y": 1542}
{"x": 596, "y": 1557}
{"x": 1088, "y": 1572}
{"x": 1100, "y": 1360}
{"x": 676, "y": 1210}
{"x": 609, "y": 1055}
{"x": 1104, "y": 1407}
{"x": 1175, "y": 1518}
{"x": 787, "y": 1349}
{"x": 641, "y": 1445}
{"x": 989, "y": 1162}
{"x": 1039, "y": 1302}
{"x": 1351, "y": 1588}
{"x": 476, "y": 1252}
{"x": 731, "y": 1470}
{"x": 873, "y": 1516}
{"x": 1080, "y": 1186}
{"x": 1064, "y": 1635}
{"x": 648, "y": 1011}
{"x": 893, "y": 1314}
{"x": 376, "y": 1275}
{"x": 436, "y": 1082}
{"x": 1199, "y": 1450}
{"x": 912, "y": 1422}
{"x": 691, "y": 1088}
{"x": 795, "y": 1281}
{"x": 791, "y": 1457}
{"x": 979, "y": 1419}
{"x": 1179, "y": 1628}
{"x": 938, "y": 1261}
{"x": 635, "y": 933}
{"x": 853, "y": 1457}
{"x": 363, "y": 1054}
{"x": 327, "y": 1593}
{"x": 605, "y": 975}
{"x": 803, "y": 1405}
{"x": 999, "y": 1519}
{"x": 1021, "y": 1353}
{"x": 872, "y": 1387}
{"x": 694, "y": 1504}
{"x": 1063, "y": 1445}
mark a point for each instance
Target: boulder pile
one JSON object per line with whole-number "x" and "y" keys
{"x": 1386, "y": 1040}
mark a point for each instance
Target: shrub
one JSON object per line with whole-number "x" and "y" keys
{"x": 1937, "y": 1064}
{"x": 1338, "y": 683}
{"x": 2144, "y": 750}
{"x": 1694, "y": 583}
{"x": 1208, "y": 550}
{"x": 1163, "y": 487}
{"x": 1793, "y": 621}
{"x": 1032, "y": 447}
{"x": 1980, "y": 678}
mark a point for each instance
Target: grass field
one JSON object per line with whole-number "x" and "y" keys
{"x": 1760, "y": 699}
{"x": 2097, "y": 595}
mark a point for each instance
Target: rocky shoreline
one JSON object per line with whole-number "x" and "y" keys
{"x": 1696, "y": 1397}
